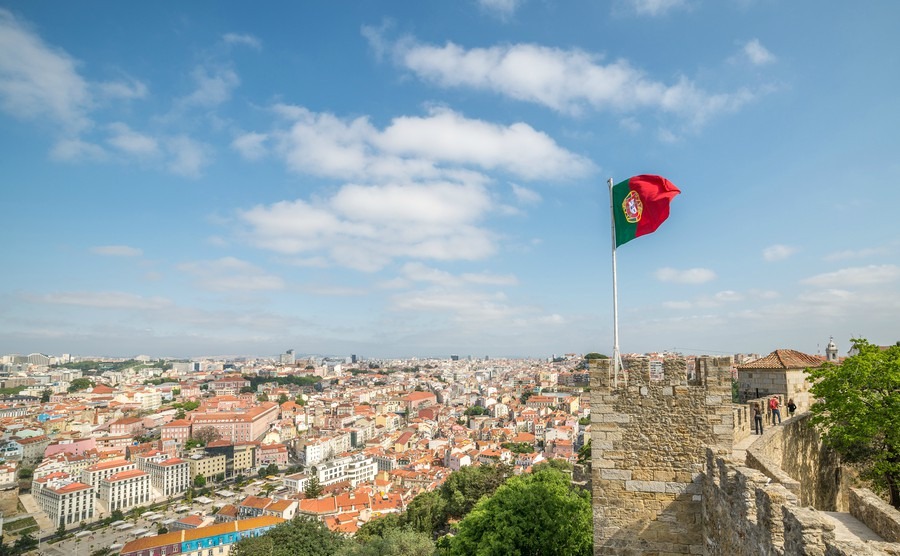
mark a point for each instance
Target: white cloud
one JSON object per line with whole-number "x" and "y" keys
{"x": 127, "y": 90}
{"x": 131, "y": 142}
{"x": 653, "y": 8}
{"x": 37, "y": 81}
{"x": 251, "y": 146}
{"x": 231, "y": 274}
{"x": 242, "y": 39}
{"x": 419, "y": 147}
{"x": 188, "y": 157}
{"x": 525, "y": 196}
{"x": 863, "y": 253}
{"x": 418, "y": 272}
{"x": 501, "y": 8}
{"x": 778, "y": 252}
{"x": 688, "y": 276}
{"x": 855, "y": 276}
{"x": 106, "y": 300}
{"x": 365, "y": 227}
{"x": 213, "y": 87}
{"x": 76, "y": 150}
{"x": 757, "y": 54}
{"x": 117, "y": 251}
{"x": 568, "y": 81}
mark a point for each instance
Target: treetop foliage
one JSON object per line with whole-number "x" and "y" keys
{"x": 857, "y": 409}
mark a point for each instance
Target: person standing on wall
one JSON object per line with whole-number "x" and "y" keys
{"x": 773, "y": 407}
{"x": 757, "y": 418}
{"x": 792, "y": 407}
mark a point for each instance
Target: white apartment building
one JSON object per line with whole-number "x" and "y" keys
{"x": 125, "y": 489}
{"x": 296, "y": 482}
{"x": 64, "y": 500}
{"x": 168, "y": 476}
{"x": 356, "y": 469}
{"x": 99, "y": 471}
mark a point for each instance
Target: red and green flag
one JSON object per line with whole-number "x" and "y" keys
{"x": 640, "y": 204}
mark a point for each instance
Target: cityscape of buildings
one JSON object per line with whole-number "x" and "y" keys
{"x": 85, "y": 438}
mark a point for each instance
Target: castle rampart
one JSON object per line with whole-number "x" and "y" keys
{"x": 664, "y": 483}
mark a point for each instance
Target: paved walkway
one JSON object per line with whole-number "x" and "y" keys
{"x": 846, "y": 527}
{"x": 739, "y": 450}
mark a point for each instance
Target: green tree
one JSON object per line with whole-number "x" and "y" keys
{"x": 262, "y": 397}
{"x": 199, "y": 481}
{"x": 180, "y": 414}
{"x": 190, "y": 405}
{"x": 395, "y": 542}
{"x": 525, "y": 395}
{"x": 313, "y": 488}
{"x": 595, "y": 355}
{"x": 282, "y": 398}
{"x": 206, "y": 434}
{"x": 301, "y": 536}
{"x": 541, "y": 513}
{"x": 426, "y": 513}
{"x": 858, "y": 412}
{"x": 24, "y": 543}
{"x": 476, "y": 410}
{"x": 80, "y": 384}
{"x": 378, "y": 527}
{"x": 60, "y": 531}
{"x": 464, "y": 488}
{"x": 116, "y": 515}
{"x": 45, "y": 395}
{"x": 584, "y": 453}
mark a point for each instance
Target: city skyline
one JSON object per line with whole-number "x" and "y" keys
{"x": 405, "y": 180}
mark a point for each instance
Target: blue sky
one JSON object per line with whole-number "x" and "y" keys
{"x": 429, "y": 178}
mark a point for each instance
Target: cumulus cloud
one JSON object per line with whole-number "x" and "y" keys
{"x": 525, "y": 196}
{"x": 231, "y": 274}
{"x": 37, "y": 81}
{"x": 242, "y": 39}
{"x": 418, "y": 147}
{"x": 565, "y": 80}
{"x": 187, "y": 157}
{"x": 855, "y": 276}
{"x": 131, "y": 142}
{"x": 778, "y": 252}
{"x": 77, "y": 150}
{"x": 213, "y": 86}
{"x": 117, "y": 251}
{"x": 863, "y": 253}
{"x": 652, "y": 8}
{"x": 365, "y": 227}
{"x": 688, "y": 276}
{"x": 500, "y": 8}
{"x": 757, "y": 54}
{"x": 251, "y": 146}
{"x": 105, "y": 300}
{"x": 127, "y": 90}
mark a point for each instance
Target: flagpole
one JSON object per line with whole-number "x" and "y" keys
{"x": 612, "y": 224}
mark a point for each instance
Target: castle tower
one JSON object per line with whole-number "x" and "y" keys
{"x": 649, "y": 439}
{"x": 831, "y": 352}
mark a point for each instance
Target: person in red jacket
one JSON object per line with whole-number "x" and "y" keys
{"x": 773, "y": 407}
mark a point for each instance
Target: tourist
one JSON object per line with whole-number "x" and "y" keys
{"x": 792, "y": 407}
{"x": 756, "y": 411}
{"x": 773, "y": 407}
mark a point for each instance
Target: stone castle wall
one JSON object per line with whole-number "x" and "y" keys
{"x": 746, "y": 514}
{"x": 649, "y": 439}
{"x": 793, "y": 455}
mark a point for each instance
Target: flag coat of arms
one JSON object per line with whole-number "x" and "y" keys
{"x": 640, "y": 205}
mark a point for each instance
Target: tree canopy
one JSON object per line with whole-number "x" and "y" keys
{"x": 301, "y": 536}
{"x": 858, "y": 412}
{"x": 541, "y": 513}
{"x": 394, "y": 542}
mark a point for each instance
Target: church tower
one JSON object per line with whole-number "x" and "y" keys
{"x": 831, "y": 352}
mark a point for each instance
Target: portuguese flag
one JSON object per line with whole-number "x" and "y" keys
{"x": 640, "y": 204}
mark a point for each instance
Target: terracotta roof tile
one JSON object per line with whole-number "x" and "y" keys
{"x": 782, "y": 359}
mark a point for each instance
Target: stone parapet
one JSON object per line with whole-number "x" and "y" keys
{"x": 745, "y": 514}
{"x": 878, "y": 515}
